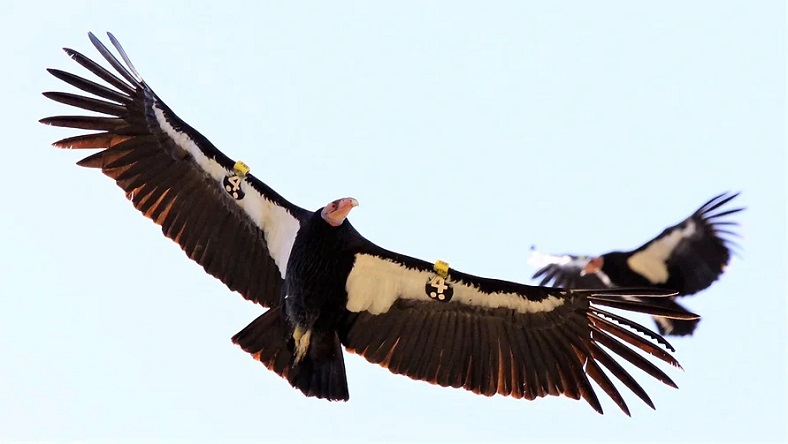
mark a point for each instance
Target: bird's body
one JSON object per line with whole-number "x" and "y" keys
{"x": 313, "y": 295}
{"x": 327, "y": 287}
{"x": 314, "y": 299}
{"x": 687, "y": 258}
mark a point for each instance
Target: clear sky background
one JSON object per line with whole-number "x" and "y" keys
{"x": 467, "y": 130}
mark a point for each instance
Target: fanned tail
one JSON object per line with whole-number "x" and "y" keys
{"x": 320, "y": 373}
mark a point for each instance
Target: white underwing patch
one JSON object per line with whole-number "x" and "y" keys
{"x": 278, "y": 225}
{"x": 651, "y": 262}
{"x": 375, "y": 283}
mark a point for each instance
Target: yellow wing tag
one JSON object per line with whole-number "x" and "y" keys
{"x": 442, "y": 268}
{"x": 240, "y": 169}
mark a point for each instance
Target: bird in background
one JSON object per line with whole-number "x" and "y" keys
{"x": 327, "y": 287}
{"x": 687, "y": 258}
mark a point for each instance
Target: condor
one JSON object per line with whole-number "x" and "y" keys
{"x": 687, "y": 258}
{"x": 327, "y": 287}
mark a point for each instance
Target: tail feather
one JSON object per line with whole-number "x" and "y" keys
{"x": 322, "y": 377}
{"x": 266, "y": 339}
{"x": 321, "y": 373}
{"x": 675, "y": 327}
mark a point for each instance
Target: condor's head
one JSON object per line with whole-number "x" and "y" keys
{"x": 336, "y": 212}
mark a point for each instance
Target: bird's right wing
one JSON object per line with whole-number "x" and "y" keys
{"x": 566, "y": 271}
{"x": 490, "y": 336}
{"x": 235, "y": 226}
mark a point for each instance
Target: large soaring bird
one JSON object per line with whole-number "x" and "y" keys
{"x": 327, "y": 286}
{"x": 686, "y": 258}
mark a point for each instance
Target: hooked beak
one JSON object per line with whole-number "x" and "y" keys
{"x": 336, "y": 212}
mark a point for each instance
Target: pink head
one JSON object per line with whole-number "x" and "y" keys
{"x": 593, "y": 266}
{"x": 336, "y": 212}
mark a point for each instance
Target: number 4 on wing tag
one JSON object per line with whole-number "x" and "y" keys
{"x": 232, "y": 184}
{"x": 437, "y": 288}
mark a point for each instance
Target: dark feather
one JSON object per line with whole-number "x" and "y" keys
{"x": 625, "y": 352}
{"x": 618, "y": 371}
{"x": 87, "y": 103}
{"x": 102, "y": 73}
{"x": 90, "y": 86}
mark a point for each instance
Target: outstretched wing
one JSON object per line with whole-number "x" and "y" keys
{"x": 491, "y": 336}
{"x": 689, "y": 256}
{"x": 566, "y": 271}
{"x": 228, "y": 221}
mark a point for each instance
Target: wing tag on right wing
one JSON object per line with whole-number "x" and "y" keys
{"x": 437, "y": 288}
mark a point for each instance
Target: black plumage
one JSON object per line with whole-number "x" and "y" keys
{"x": 687, "y": 258}
{"x": 327, "y": 287}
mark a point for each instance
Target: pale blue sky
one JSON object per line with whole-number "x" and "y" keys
{"x": 467, "y": 130}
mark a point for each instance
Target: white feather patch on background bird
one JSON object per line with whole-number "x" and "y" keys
{"x": 651, "y": 261}
{"x": 537, "y": 259}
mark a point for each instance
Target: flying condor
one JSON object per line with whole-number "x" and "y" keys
{"x": 686, "y": 258}
{"x": 326, "y": 286}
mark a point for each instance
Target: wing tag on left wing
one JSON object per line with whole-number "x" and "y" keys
{"x": 437, "y": 288}
{"x": 232, "y": 183}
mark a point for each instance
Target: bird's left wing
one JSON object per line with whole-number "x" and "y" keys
{"x": 489, "y": 336}
{"x": 235, "y": 226}
{"x": 566, "y": 271}
{"x": 691, "y": 255}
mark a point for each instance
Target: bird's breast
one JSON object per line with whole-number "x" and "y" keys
{"x": 315, "y": 280}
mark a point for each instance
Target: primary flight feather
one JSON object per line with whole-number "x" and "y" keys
{"x": 328, "y": 287}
